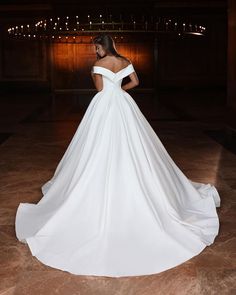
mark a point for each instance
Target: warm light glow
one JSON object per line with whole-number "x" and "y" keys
{"x": 193, "y": 33}
{"x": 64, "y": 53}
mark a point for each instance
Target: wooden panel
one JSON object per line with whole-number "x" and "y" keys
{"x": 196, "y": 61}
{"x": 142, "y": 56}
{"x": 23, "y": 60}
{"x": 72, "y": 63}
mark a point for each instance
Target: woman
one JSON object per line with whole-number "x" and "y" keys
{"x": 117, "y": 204}
{"x": 109, "y": 58}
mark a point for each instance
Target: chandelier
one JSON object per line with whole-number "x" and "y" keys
{"x": 69, "y": 28}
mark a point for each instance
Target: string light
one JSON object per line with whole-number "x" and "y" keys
{"x": 68, "y": 26}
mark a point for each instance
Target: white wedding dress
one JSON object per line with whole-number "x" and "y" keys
{"x": 117, "y": 204}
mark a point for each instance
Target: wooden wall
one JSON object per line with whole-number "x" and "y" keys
{"x": 22, "y": 60}
{"x": 198, "y": 62}
{"x": 232, "y": 55}
{"x": 72, "y": 62}
{"x": 23, "y": 65}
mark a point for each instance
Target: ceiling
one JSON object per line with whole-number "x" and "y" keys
{"x": 156, "y": 3}
{"x": 28, "y": 8}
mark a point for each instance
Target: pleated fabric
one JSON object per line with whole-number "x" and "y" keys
{"x": 117, "y": 204}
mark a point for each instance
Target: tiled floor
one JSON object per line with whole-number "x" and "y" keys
{"x": 34, "y": 138}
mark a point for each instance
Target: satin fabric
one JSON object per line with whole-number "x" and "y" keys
{"x": 117, "y": 204}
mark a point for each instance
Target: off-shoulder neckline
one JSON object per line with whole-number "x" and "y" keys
{"x": 111, "y": 70}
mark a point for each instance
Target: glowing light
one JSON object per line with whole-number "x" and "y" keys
{"x": 156, "y": 25}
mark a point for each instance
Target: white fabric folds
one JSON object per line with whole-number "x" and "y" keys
{"x": 117, "y": 204}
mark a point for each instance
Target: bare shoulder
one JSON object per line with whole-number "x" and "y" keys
{"x": 102, "y": 62}
{"x": 124, "y": 61}
{"x": 128, "y": 61}
{"x": 113, "y": 63}
{"x": 98, "y": 62}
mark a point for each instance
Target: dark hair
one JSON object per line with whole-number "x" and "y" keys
{"x": 107, "y": 43}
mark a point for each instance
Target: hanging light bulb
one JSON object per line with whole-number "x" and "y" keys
{"x": 70, "y": 25}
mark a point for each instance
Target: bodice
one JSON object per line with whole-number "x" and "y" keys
{"x": 111, "y": 79}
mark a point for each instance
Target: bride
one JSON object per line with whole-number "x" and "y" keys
{"x": 117, "y": 204}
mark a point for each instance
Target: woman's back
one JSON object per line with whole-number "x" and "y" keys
{"x": 113, "y": 63}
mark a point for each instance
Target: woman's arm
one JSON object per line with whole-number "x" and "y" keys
{"x": 133, "y": 83}
{"x": 97, "y": 80}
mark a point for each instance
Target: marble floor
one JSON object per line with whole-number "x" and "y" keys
{"x": 33, "y": 138}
